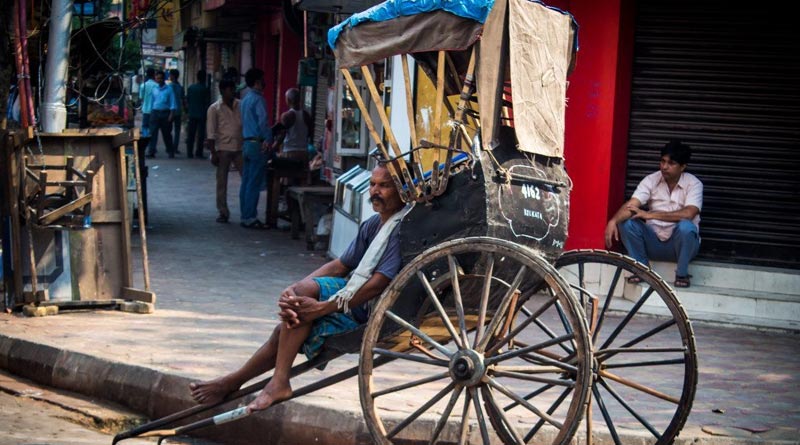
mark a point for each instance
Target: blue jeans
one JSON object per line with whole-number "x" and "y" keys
{"x": 643, "y": 244}
{"x": 254, "y": 177}
{"x": 145, "y": 124}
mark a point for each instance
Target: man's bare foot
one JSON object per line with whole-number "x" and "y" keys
{"x": 271, "y": 394}
{"x": 212, "y": 391}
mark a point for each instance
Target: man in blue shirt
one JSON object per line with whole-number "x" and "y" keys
{"x": 177, "y": 88}
{"x": 257, "y": 136}
{"x": 310, "y": 310}
{"x": 147, "y": 99}
{"x": 161, "y": 116}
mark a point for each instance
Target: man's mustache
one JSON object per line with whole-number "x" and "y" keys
{"x": 376, "y": 198}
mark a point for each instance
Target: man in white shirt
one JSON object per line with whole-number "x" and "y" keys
{"x": 224, "y": 141}
{"x": 669, "y": 229}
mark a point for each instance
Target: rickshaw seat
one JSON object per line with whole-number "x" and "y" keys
{"x": 426, "y": 175}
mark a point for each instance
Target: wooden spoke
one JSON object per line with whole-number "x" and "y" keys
{"x": 464, "y": 432}
{"x": 514, "y": 434}
{"x": 411, "y": 357}
{"x": 497, "y": 385}
{"x": 610, "y": 294}
{"x": 648, "y": 363}
{"x": 606, "y": 416}
{"x": 550, "y": 410}
{"x": 493, "y": 325}
{"x": 627, "y": 318}
{"x": 529, "y": 351}
{"x": 408, "y": 385}
{"x": 438, "y": 304}
{"x": 479, "y": 414}
{"x": 444, "y": 350}
{"x": 487, "y": 289}
{"x": 530, "y": 318}
{"x": 533, "y": 378}
{"x": 421, "y": 410}
{"x": 456, "y": 289}
{"x": 615, "y": 351}
{"x": 446, "y": 414}
{"x": 639, "y": 387}
{"x": 633, "y": 412}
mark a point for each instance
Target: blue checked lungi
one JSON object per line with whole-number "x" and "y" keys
{"x": 331, "y": 324}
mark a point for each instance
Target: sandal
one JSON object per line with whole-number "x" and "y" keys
{"x": 634, "y": 279}
{"x": 682, "y": 281}
{"x": 255, "y": 225}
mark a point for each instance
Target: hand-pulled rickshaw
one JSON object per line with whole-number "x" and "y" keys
{"x": 508, "y": 337}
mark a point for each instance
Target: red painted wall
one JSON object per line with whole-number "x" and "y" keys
{"x": 597, "y": 116}
{"x": 277, "y": 52}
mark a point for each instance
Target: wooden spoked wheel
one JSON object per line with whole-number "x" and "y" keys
{"x": 643, "y": 346}
{"x": 460, "y": 359}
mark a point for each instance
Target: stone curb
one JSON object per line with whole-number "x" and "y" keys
{"x": 157, "y": 394}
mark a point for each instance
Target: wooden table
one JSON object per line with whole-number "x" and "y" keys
{"x": 277, "y": 170}
{"x": 301, "y": 201}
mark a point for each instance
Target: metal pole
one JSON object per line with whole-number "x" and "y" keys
{"x": 54, "y": 112}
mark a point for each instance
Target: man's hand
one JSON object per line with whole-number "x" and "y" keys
{"x": 296, "y": 310}
{"x": 288, "y": 292}
{"x": 612, "y": 233}
{"x": 639, "y": 213}
{"x": 211, "y": 147}
{"x": 266, "y": 147}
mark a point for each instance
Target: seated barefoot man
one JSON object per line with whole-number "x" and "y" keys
{"x": 318, "y": 305}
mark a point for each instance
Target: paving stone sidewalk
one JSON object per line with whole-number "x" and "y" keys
{"x": 217, "y": 286}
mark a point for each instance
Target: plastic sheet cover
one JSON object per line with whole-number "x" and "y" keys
{"x": 540, "y": 49}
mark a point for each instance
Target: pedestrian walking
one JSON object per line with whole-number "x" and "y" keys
{"x": 224, "y": 141}
{"x": 147, "y": 99}
{"x": 180, "y": 98}
{"x": 197, "y": 99}
{"x": 161, "y": 116}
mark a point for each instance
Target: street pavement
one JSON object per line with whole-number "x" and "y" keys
{"x": 217, "y": 287}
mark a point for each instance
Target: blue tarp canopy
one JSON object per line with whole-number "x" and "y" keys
{"x": 476, "y": 10}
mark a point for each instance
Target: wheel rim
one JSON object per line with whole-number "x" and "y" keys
{"x": 462, "y": 370}
{"x": 644, "y": 333}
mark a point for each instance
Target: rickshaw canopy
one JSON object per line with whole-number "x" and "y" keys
{"x": 531, "y": 67}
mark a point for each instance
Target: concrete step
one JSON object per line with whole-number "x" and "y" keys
{"x": 767, "y": 310}
{"x": 739, "y": 277}
{"x": 758, "y": 297}
{"x": 754, "y": 308}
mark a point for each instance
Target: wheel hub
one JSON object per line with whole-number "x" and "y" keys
{"x": 466, "y": 367}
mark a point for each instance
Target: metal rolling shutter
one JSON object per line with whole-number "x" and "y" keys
{"x": 726, "y": 80}
{"x": 320, "y": 103}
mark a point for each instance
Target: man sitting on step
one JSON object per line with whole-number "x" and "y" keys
{"x": 669, "y": 230}
{"x": 324, "y": 303}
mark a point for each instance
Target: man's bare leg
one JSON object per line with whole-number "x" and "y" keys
{"x": 262, "y": 360}
{"x": 278, "y": 388}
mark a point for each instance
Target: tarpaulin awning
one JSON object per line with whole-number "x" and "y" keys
{"x": 476, "y": 10}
